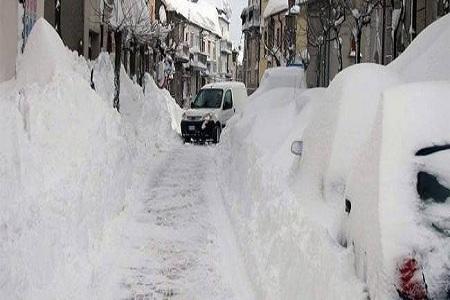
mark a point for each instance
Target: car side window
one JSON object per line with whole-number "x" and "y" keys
{"x": 228, "y": 100}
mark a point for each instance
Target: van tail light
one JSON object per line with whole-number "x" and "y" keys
{"x": 411, "y": 283}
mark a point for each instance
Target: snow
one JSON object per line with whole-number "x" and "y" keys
{"x": 201, "y": 13}
{"x": 402, "y": 223}
{"x": 40, "y": 63}
{"x": 355, "y": 115}
{"x": 282, "y": 77}
{"x": 426, "y": 58}
{"x": 225, "y": 6}
{"x": 181, "y": 243}
{"x": 97, "y": 204}
{"x": 274, "y": 6}
{"x": 64, "y": 137}
{"x": 281, "y": 223}
{"x": 131, "y": 14}
{"x": 360, "y": 136}
{"x": 68, "y": 177}
{"x": 387, "y": 219}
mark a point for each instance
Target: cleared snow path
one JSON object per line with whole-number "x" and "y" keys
{"x": 188, "y": 250}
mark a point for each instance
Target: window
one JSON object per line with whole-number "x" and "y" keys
{"x": 265, "y": 42}
{"x": 228, "y": 100}
{"x": 278, "y": 38}
{"x": 202, "y": 45}
{"x": 271, "y": 33}
{"x": 352, "y": 48}
{"x": 208, "y": 98}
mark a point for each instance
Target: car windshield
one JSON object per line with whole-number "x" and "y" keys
{"x": 208, "y": 98}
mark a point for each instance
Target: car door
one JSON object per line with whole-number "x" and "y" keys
{"x": 228, "y": 107}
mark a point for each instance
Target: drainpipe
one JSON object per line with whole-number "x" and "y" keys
{"x": 58, "y": 16}
{"x": 413, "y": 26}
{"x": 383, "y": 34}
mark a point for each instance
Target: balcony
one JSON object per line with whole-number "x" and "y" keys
{"x": 226, "y": 47}
{"x": 251, "y": 20}
{"x": 182, "y": 53}
{"x": 199, "y": 62}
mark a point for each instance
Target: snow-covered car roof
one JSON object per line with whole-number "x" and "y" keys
{"x": 224, "y": 84}
{"x": 287, "y": 77}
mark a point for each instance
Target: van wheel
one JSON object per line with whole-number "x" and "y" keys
{"x": 216, "y": 136}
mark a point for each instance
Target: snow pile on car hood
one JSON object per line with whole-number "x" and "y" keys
{"x": 67, "y": 173}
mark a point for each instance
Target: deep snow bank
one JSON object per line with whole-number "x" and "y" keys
{"x": 67, "y": 173}
{"x": 289, "y": 212}
{"x": 283, "y": 231}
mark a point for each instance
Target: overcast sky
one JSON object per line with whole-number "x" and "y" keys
{"x": 236, "y": 30}
{"x": 237, "y": 6}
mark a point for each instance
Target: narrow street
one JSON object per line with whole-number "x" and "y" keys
{"x": 190, "y": 246}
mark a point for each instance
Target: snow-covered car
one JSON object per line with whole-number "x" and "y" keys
{"x": 213, "y": 106}
{"x": 285, "y": 79}
{"x": 397, "y": 198}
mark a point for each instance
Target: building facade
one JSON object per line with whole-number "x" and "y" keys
{"x": 284, "y": 36}
{"x": 225, "y": 66}
{"x": 324, "y": 36}
{"x": 14, "y": 35}
{"x": 275, "y": 35}
{"x": 80, "y": 25}
{"x": 251, "y": 22}
{"x": 392, "y": 27}
{"x": 8, "y": 36}
{"x": 200, "y": 51}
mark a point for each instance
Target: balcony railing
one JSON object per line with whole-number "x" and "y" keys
{"x": 182, "y": 53}
{"x": 199, "y": 61}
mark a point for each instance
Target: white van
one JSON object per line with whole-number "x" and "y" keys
{"x": 213, "y": 106}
